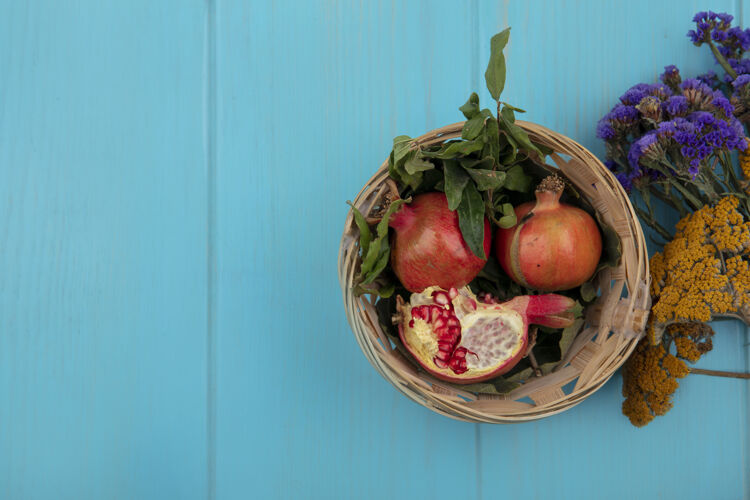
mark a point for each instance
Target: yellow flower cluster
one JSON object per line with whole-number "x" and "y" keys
{"x": 703, "y": 272}
{"x": 650, "y": 374}
{"x": 745, "y": 165}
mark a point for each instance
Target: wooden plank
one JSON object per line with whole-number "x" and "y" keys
{"x": 102, "y": 250}
{"x": 567, "y": 66}
{"x": 310, "y": 96}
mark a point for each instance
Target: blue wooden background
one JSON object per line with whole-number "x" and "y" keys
{"x": 172, "y": 186}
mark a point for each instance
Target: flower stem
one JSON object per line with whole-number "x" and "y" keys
{"x": 722, "y": 60}
{"x": 719, "y": 373}
{"x": 651, "y": 221}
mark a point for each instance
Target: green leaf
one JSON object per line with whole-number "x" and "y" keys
{"x": 507, "y": 113}
{"x": 507, "y": 119}
{"x": 508, "y": 219}
{"x": 569, "y": 334}
{"x": 455, "y": 182}
{"x": 517, "y": 180}
{"x": 402, "y": 152}
{"x": 392, "y": 170}
{"x": 588, "y": 291}
{"x": 365, "y": 235}
{"x": 546, "y": 150}
{"x": 497, "y": 385}
{"x": 455, "y": 149}
{"x": 611, "y": 244}
{"x": 370, "y": 259}
{"x": 401, "y": 147}
{"x": 462, "y": 147}
{"x": 412, "y": 180}
{"x": 431, "y": 180}
{"x": 507, "y": 209}
{"x": 522, "y": 375}
{"x": 373, "y": 258}
{"x": 473, "y": 127}
{"x": 517, "y": 110}
{"x": 492, "y": 139}
{"x": 484, "y": 164}
{"x": 510, "y": 152}
{"x": 471, "y": 108}
{"x": 380, "y": 263}
{"x": 471, "y": 219}
{"x": 487, "y": 179}
{"x": 385, "y": 290}
{"x": 495, "y": 73}
{"x": 415, "y": 164}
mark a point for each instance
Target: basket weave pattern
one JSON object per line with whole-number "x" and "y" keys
{"x": 613, "y": 325}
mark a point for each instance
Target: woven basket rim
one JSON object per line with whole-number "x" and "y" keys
{"x": 614, "y": 323}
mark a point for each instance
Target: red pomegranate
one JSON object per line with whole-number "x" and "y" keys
{"x": 428, "y": 248}
{"x": 459, "y": 339}
{"x": 554, "y": 246}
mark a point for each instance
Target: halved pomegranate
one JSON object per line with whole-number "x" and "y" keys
{"x": 457, "y": 338}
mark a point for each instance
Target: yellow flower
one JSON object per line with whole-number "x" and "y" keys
{"x": 745, "y": 165}
{"x": 703, "y": 272}
{"x": 650, "y": 375}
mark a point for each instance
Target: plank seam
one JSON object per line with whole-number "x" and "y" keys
{"x": 211, "y": 263}
{"x": 475, "y": 79}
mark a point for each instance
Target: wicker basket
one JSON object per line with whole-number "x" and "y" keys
{"x": 613, "y": 323}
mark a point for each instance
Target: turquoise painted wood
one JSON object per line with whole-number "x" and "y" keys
{"x": 173, "y": 178}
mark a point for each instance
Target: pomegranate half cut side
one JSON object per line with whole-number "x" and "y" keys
{"x": 459, "y": 339}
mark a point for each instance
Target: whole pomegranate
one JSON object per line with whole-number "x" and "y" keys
{"x": 428, "y": 248}
{"x": 457, "y": 338}
{"x": 553, "y": 246}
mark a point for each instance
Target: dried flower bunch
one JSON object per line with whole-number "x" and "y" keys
{"x": 650, "y": 375}
{"x": 672, "y": 143}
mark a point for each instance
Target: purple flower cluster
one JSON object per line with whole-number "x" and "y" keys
{"x": 740, "y": 66}
{"x": 644, "y": 105}
{"x": 618, "y": 121}
{"x": 741, "y": 81}
{"x": 735, "y": 42}
{"x": 710, "y": 78}
{"x": 710, "y": 26}
{"x": 690, "y": 141}
{"x": 731, "y": 42}
{"x": 675, "y": 127}
{"x": 741, "y": 94}
{"x": 676, "y": 105}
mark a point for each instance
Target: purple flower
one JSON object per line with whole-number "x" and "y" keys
{"x": 626, "y": 181}
{"x": 725, "y": 51}
{"x": 710, "y": 26}
{"x": 698, "y": 94}
{"x": 709, "y": 78}
{"x": 667, "y": 129}
{"x": 694, "y": 83}
{"x": 725, "y": 18}
{"x": 695, "y": 36}
{"x": 740, "y": 66}
{"x": 604, "y": 130}
{"x": 671, "y": 76}
{"x": 635, "y": 93}
{"x": 676, "y": 105}
{"x": 722, "y": 103}
{"x": 645, "y": 146}
{"x": 738, "y": 39}
{"x": 650, "y": 108}
{"x": 741, "y": 81}
{"x": 703, "y": 118}
{"x": 718, "y": 35}
{"x": 693, "y": 169}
